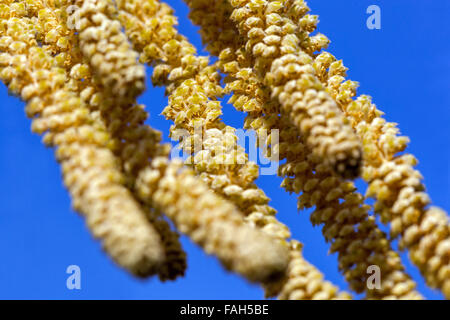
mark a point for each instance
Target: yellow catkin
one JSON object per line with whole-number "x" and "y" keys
{"x": 339, "y": 208}
{"x": 393, "y": 182}
{"x": 354, "y": 235}
{"x": 219, "y": 162}
{"x": 136, "y": 143}
{"x": 81, "y": 91}
{"x": 53, "y": 35}
{"x": 193, "y": 86}
{"x": 107, "y": 49}
{"x": 133, "y": 142}
{"x": 90, "y": 170}
{"x": 305, "y": 282}
{"x": 211, "y": 222}
{"x": 272, "y": 40}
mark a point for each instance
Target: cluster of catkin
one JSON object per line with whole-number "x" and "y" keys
{"x": 79, "y": 66}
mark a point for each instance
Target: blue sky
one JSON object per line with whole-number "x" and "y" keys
{"x": 405, "y": 66}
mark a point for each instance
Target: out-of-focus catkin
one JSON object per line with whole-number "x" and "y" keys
{"x": 193, "y": 86}
{"x": 354, "y": 235}
{"x": 241, "y": 262}
{"x": 137, "y": 148}
{"x": 179, "y": 79}
{"x": 212, "y": 222}
{"x": 90, "y": 170}
{"x": 136, "y": 143}
{"x": 122, "y": 122}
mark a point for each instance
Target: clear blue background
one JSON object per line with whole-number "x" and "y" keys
{"x": 405, "y": 66}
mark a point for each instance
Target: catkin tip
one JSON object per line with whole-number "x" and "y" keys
{"x": 270, "y": 266}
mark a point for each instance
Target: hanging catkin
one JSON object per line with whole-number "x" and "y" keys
{"x": 89, "y": 169}
{"x": 134, "y": 142}
{"x": 393, "y": 182}
{"x": 279, "y": 61}
{"x": 212, "y": 222}
{"x": 108, "y": 51}
{"x": 233, "y": 260}
{"x": 52, "y": 19}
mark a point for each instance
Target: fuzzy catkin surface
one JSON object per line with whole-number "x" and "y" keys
{"x": 212, "y": 223}
{"x": 90, "y": 170}
{"x": 271, "y": 38}
{"x": 108, "y": 50}
{"x": 129, "y": 140}
{"x": 394, "y": 183}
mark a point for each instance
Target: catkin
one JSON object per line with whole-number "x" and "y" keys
{"x": 238, "y": 261}
{"x": 137, "y": 143}
{"x": 393, "y": 182}
{"x": 123, "y": 124}
{"x": 305, "y": 282}
{"x": 234, "y": 262}
{"x": 354, "y": 235}
{"x": 279, "y": 61}
{"x": 211, "y": 222}
{"x": 108, "y": 51}
{"x": 89, "y": 169}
